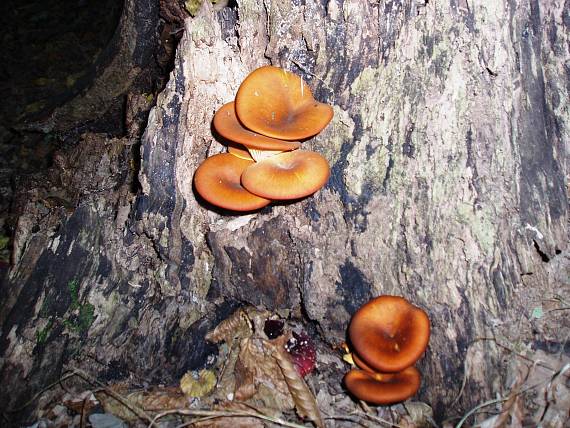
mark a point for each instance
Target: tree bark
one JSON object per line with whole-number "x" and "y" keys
{"x": 448, "y": 150}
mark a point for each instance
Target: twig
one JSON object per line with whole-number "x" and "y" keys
{"x": 83, "y": 375}
{"x": 383, "y": 421}
{"x": 502, "y": 399}
{"x": 220, "y": 414}
{"x": 35, "y": 397}
{"x": 478, "y": 407}
{"x": 512, "y": 351}
{"x": 354, "y": 419}
{"x": 135, "y": 409}
{"x": 560, "y": 300}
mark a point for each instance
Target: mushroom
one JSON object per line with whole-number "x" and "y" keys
{"x": 217, "y": 180}
{"x": 360, "y": 363}
{"x": 389, "y": 333}
{"x": 289, "y": 175}
{"x": 277, "y": 103}
{"x": 260, "y": 146}
{"x": 383, "y": 388}
{"x": 239, "y": 150}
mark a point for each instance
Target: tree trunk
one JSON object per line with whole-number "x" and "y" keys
{"x": 448, "y": 150}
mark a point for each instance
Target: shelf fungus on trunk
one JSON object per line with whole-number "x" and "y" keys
{"x": 260, "y": 146}
{"x": 383, "y": 388}
{"x": 273, "y": 108}
{"x": 290, "y": 175}
{"x": 277, "y": 103}
{"x": 388, "y": 335}
{"x": 217, "y": 180}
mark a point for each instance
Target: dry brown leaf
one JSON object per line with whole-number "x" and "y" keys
{"x": 81, "y": 402}
{"x": 244, "y": 382}
{"x": 150, "y": 401}
{"x": 407, "y": 422}
{"x": 420, "y": 414}
{"x": 553, "y": 395}
{"x": 264, "y": 373}
{"x": 236, "y": 325}
{"x": 255, "y": 358}
{"x": 305, "y": 401}
{"x": 228, "y": 357}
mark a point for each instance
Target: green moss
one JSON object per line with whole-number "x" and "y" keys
{"x": 4, "y": 240}
{"x": 69, "y": 325}
{"x": 47, "y": 305}
{"x": 202, "y": 30}
{"x": 73, "y": 287}
{"x": 41, "y": 335}
{"x": 82, "y": 322}
{"x": 4, "y": 250}
{"x": 86, "y": 316}
{"x": 34, "y": 107}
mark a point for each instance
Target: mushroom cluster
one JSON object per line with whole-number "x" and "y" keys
{"x": 388, "y": 335}
{"x": 273, "y": 112}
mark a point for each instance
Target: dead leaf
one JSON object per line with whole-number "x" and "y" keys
{"x": 237, "y": 325}
{"x": 255, "y": 359}
{"x": 79, "y": 403}
{"x": 156, "y": 400}
{"x": 305, "y": 401}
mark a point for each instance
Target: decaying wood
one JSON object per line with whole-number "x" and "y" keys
{"x": 448, "y": 151}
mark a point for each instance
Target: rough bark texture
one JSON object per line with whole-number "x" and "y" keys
{"x": 448, "y": 151}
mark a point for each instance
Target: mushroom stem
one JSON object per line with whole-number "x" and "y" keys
{"x": 259, "y": 155}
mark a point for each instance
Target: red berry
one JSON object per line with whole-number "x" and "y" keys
{"x": 303, "y": 352}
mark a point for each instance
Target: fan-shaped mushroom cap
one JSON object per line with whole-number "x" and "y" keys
{"x": 239, "y": 150}
{"x": 277, "y": 103}
{"x": 389, "y": 333}
{"x": 227, "y": 124}
{"x": 360, "y": 363}
{"x": 289, "y": 175}
{"x": 383, "y": 388}
{"x": 217, "y": 180}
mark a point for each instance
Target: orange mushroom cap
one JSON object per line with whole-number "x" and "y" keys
{"x": 383, "y": 388}
{"x": 217, "y": 180}
{"x": 289, "y": 175}
{"x": 361, "y": 364}
{"x": 227, "y": 124}
{"x": 239, "y": 150}
{"x": 389, "y": 333}
{"x": 279, "y": 104}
